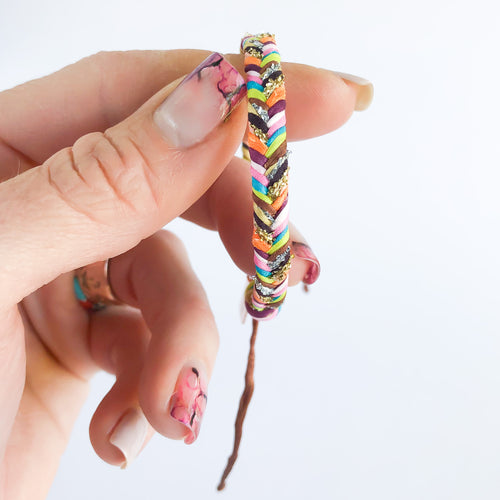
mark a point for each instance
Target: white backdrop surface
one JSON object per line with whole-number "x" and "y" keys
{"x": 384, "y": 381}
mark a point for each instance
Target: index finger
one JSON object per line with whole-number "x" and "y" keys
{"x": 101, "y": 90}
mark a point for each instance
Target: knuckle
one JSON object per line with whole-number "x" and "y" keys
{"x": 196, "y": 304}
{"x": 171, "y": 241}
{"x": 103, "y": 59}
{"x": 106, "y": 68}
{"x": 105, "y": 173}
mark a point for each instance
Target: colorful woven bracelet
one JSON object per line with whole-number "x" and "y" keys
{"x": 266, "y": 151}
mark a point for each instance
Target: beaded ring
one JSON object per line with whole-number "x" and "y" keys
{"x": 92, "y": 287}
{"x": 268, "y": 156}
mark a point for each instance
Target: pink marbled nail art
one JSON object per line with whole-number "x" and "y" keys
{"x": 201, "y": 101}
{"x": 303, "y": 251}
{"x": 189, "y": 401}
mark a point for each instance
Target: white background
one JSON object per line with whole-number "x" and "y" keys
{"x": 384, "y": 381}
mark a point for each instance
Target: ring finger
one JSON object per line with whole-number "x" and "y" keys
{"x": 174, "y": 366}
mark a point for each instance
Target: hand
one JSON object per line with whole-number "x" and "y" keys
{"x": 96, "y": 183}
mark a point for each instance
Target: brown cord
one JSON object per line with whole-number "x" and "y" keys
{"x": 242, "y": 410}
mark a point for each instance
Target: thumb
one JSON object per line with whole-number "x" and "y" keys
{"x": 110, "y": 190}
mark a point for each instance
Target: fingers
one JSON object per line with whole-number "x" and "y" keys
{"x": 157, "y": 278}
{"x": 118, "y": 342}
{"x": 109, "y": 191}
{"x": 318, "y": 101}
{"x": 162, "y": 375}
{"x": 228, "y": 208}
{"x": 12, "y": 371}
{"x": 91, "y": 96}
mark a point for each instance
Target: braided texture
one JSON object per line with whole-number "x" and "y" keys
{"x": 268, "y": 156}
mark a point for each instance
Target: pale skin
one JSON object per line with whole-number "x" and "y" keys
{"x": 49, "y": 346}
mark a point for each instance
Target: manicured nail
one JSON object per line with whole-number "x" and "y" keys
{"x": 129, "y": 434}
{"x": 365, "y": 90}
{"x": 189, "y": 401}
{"x": 302, "y": 250}
{"x": 201, "y": 101}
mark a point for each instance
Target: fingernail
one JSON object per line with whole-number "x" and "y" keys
{"x": 365, "y": 90}
{"x": 129, "y": 434}
{"x": 302, "y": 250}
{"x": 189, "y": 401}
{"x": 201, "y": 101}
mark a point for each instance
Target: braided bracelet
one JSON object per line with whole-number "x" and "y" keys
{"x": 266, "y": 151}
{"x": 268, "y": 156}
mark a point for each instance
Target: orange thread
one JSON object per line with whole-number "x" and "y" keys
{"x": 277, "y": 95}
{"x": 279, "y": 201}
{"x": 252, "y": 60}
{"x": 258, "y": 243}
{"x": 255, "y": 143}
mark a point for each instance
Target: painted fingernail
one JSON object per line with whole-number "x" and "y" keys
{"x": 302, "y": 250}
{"x": 201, "y": 101}
{"x": 129, "y": 434}
{"x": 189, "y": 401}
{"x": 365, "y": 90}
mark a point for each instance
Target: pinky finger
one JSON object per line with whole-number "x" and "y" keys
{"x": 119, "y": 430}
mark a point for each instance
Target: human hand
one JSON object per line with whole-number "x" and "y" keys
{"x": 96, "y": 184}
